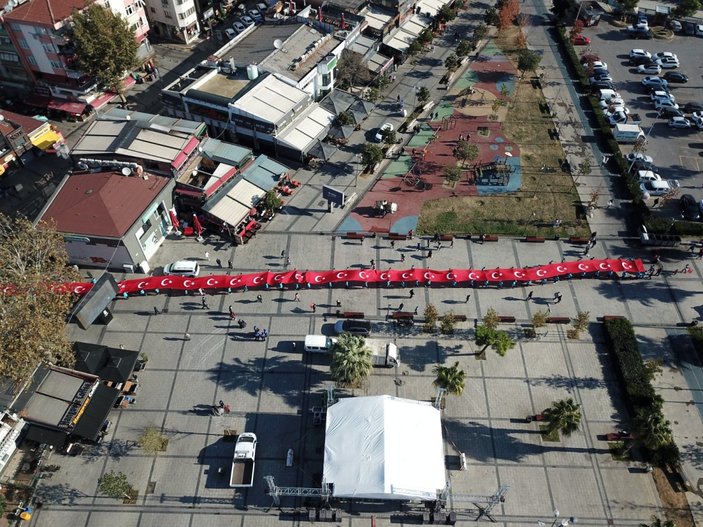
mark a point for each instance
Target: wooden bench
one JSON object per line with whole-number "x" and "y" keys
{"x": 353, "y": 314}
{"x": 612, "y": 317}
{"x": 506, "y": 319}
{"x": 394, "y": 236}
{"x": 460, "y": 318}
{"x": 558, "y": 320}
{"x": 446, "y": 238}
{"x": 534, "y": 239}
{"x": 579, "y": 240}
{"x": 354, "y": 236}
{"x": 490, "y": 238}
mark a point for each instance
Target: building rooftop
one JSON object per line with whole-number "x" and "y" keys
{"x": 258, "y": 102}
{"x": 300, "y": 53}
{"x": 102, "y": 203}
{"x": 46, "y": 12}
{"x": 256, "y": 46}
{"x": 162, "y": 122}
{"x": 224, "y": 85}
{"x": 28, "y": 124}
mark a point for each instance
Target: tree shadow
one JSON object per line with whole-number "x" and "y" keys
{"x": 61, "y": 493}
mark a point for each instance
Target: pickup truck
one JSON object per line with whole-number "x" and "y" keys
{"x": 383, "y": 353}
{"x": 243, "y": 461}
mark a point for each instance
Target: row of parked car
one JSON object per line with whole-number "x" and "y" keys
{"x": 248, "y": 18}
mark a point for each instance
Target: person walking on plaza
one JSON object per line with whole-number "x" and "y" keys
{"x": 186, "y": 336}
{"x": 529, "y": 296}
{"x": 296, "y": 298}
{"x": 313, "y": 307}
{"x": 232, "y": 315}
{"x": 339, "y": 303}
{"x": 204, "y": 303}
{"x": 259, "y": 299}
{"x": 402, "y": 257}
{"x": 207, "y": 256}
{"x": 467, "y": 299}
{"x": 219, "y": 263}
{"x": 557, "y": 297}
{"x": 412, "y": 293}
{"x": 283, "y": 253}
{"x": 156, "y": 310}
{"x": 429, "y": 254}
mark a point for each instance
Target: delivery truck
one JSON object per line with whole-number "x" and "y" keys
{"x": 383, "y": 353}
{"x": 243, "y": 461}
{"x": 627, "y": 133}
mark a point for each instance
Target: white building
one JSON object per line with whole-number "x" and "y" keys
{"x": 174, "y": 19}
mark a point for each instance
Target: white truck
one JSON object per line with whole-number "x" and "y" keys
{"x": 243, "y": 461}
{"x": 383, "y": 353}
{"x": 627, "y": 133}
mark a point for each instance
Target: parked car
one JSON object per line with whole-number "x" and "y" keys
{"x": 662, "y": 94}
{"x": 648, "y": 175}
{"x": 668, "y": 62}
{"x": 697, "y": 119}
{"x": 638, "y": 165}
{"x": 665, "y": 55}
{"x": 602, "y": 85}
{"x": 262, "y": 8}
{"x": 664, "y": 103}
{"x": 668, "y": 113}
{"x": 617, "y": 118}
{"x": 649, "y": 69}
{"x": 689, "y": 208}
{"x": 255, "y": 15}
{"x": 675, "y": 26}
{"x": 639, "y": 52}
{"x": 679, "y": 122}
{"x": 636, "y": 61}
{"x": 247, "y": 20}
{"x": 238, "y": 26}
{"x": 356, "y": 327}
{"x": 690, "y": 107}
{"x": 608, "y": 95}
{"x": 640, "y": 33}
{"x": 657, "y": 188}
{"x": 613, "y": 108}
{"x": 580, "y": 40}
{"x": 231, "y": 33}
{"x": 638, "y": 156}
{"x": 654, "y": 81}
{"x": 188, "y": 268}
{"x": 615, "y": 102}
{"x": 676, "y": 76}
{"x": 600, "y": 77}
{"x": 699, "y": 30}
{"x": 599, "y": 65}
{"x": 387, "y": 127}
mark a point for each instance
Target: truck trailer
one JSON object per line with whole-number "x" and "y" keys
{"x": 383, "y": 353}
{"x": 243, "y": 462}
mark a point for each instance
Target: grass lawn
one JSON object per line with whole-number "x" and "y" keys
{"x": 544, "y": 196}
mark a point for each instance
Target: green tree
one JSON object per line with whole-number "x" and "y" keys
{"x": 464, "y": 47}
{"x": 686, "y": 8}
{"x": 371, "y": 154}
{"x": 539, "y": 319}
{"x": 480, "y": 32}
{"x": 651, "y": 428}
{"x": 465, "y": 151}
{"x": 451, "y": 62}
{"x": 351, "y": 70}
{"x": 115, "y": 485}
{"x": 425, "y": 36}
{"x": 452, "y": 174}
{"x": 32, "y": 315}
{"x": 423, "y": 95}
{"x": 105, "y": 45}
{"x": 446, "y": 13}
{"x": 564, "y": 416}
{"x": 430, "y": 315}
{"x": 491, "y": 319}
{"x": 345, "y": 118}
{"x": 152, "y": 441}
{"x": 390, "y": 137}
{"x": 627, "y": 6}
{"x": 448, "y": 322}
{"x": 271, "y": 200}
{"x": 528, "y": 60}
{"x": 500, "y": 341}
{"x": 658, "y": 522}
{"x": 451, "y": 378}
{"x": 414, "y": 48}
{"x": 564, "y": 9}
{"x": 351, "y": 360}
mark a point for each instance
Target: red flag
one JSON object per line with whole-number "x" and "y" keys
{"x": 174, "y": 219}
{"x": 197, "y": 227}
{"x": 343, "y": 24}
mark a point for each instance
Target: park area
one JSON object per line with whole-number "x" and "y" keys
{"x": 513, "y": 183}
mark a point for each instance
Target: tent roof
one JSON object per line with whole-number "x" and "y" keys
{"x": 383, "y": 447}
{"x": 110, "y": 364}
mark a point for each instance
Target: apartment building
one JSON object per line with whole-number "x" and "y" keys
{"x": 39, "y": 31}
{"x": 174, "y": 19}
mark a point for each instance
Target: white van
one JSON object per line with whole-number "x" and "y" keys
{"x": 189, "y": 268}
{"x": 627, "y": 133}
{"x": 319, "y": 343}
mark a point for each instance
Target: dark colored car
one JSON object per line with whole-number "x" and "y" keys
{"x": 668, "y": 113}
{"x": 676, "y": 76}
{"x": 689, "y": 208}
{"x": 641, "y": 34}
{"x": 691, "y": 107}
{"x": 355, "y": 327}
{"x": 636, "y": 61}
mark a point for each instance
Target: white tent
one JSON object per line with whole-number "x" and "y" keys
{"x": 385, "y": 448}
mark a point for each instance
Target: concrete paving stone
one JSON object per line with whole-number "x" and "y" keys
{"x": 525, "y": 500}
{"x": 153, "y": 519}
{"x": 290, "y": 325}
{"x": 511, "y": 365}
{"x": 173, "y": 322}
{"x": 544, "y": 394}
{"x": 476, "y": 479}
{"x": 74, "y": 484}
{"x": 281, "y": 358}
{"x": 601, "y": 454}
{"x": 126, "y": 518}
{"x": 517, "y": 442}
{"x": 136, "y": 468}
{"x": 473, "y": 437}
{"x": 503, "y": 301}
{"x": 653, "y": 344}
{"x": 686, "y": 294}
{"x": 130, "y": 340}
{"x": 53, "y": 516}
{"x": 631, "y": 494}
{"x": 187, "y": 433}
{"x": 650, "y": 300}
{"x": 203, "y": 352}
{"x": 282, "y": 393}
{"x": 277, "y": 433}
{"x": 162, "y": 349}
{"x": 471, "y": 404}
{"x": 598, "y": 403}
{"x": 572, "y": 451}
{"x": 128, "y": 426}
{"x": 192, "y": 388}
{"x": 508, "y": 398}
{"x": 418, "y": 356}
{"x": 174, "y": 478}
{"x": 238, "y": 419}
{"x": 589, "y": 363}
{"x": 545, "y": 360}
{"x": 127, "y": 322}
{"x": 155, "y": 388}
{"x": 566, "y": 483}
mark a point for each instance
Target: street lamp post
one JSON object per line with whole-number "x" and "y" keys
{"x": 358, "y": 170}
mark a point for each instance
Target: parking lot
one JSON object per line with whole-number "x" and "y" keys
{"x": 677, "y": 153}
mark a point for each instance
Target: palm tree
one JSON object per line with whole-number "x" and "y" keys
{"x": 657, "y": 522}
{"x": 351, "y": 360}
{"x": 451, "y": 378}
{"x": 652, "y": 429}
{"x": 564, "y": 416}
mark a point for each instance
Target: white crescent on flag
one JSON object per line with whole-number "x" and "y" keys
{"x": 582, "y": 267}
{"x": 78, "y": 289}
{"x": 258, "y": 279}
{"x": 211, "y": 281}
{"x": 187, "y": 283}
{"x": 341, "y": 275}
{"x": 385, "y": 276}
{"x": 362, "y": 275}
{"x": 625, "y": 265}
{"x": 540, "y": 272}
{"x": 428, "y": 276}
{"x": 561, "y": 268}
{"x": 166, "y": 281}
{"x": 319, "y": 278}
{"x": 495, "y": 275}
{"x": 277, "y": 277}
{"x": 603, "y": 266}
{"x": 140, "y": 285}
{"x": 471, "y": 276}
{"x": 519, "y": 274}
{"x": 450, "y": 276}
{"x": 235, "y": 280}
{"x": 406, "y": 275}
{"x": 298, "y": 277}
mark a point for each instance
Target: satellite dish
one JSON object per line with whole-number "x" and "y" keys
{"x": 2, "y": 117}
{"x": 278, "y": 43}
{"x": 126, "y": 171}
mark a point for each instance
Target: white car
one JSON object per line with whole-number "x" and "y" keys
{"x": 617, "y": 118}
{"x": 654, "y": 81}
{"x": 635, "y": 53}
{"x": 697, "y": 118}
{"x": 665, "y": 103}
{"x": 387, "y": 127}
{"x": 661, "y": 95}
{"x": 598, "y": 65}
{"x": 649, "y": 69}
{"x": 639, "y": 156}
{"x": 612, "y": 109}
{"x": 617, "y": 101}
{"x": 665, "y": 55}
{"x": 657, "y": 188}
{"x": 667, "y": 62}
{"x": 679, "y": 122}
{"x": 262, "y": 7}
{"x": 648, "y": 175}
{"x": 600, "y": 77}
{"x": 606, "y": 95}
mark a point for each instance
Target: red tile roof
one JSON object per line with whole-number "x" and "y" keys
{"x": 102, "y": 204}
{"x": 28, "y": 124}
{"x": 46, "y": 12}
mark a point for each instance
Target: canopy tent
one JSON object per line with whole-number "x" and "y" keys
{"x": 110, "y": 364}
{"x": 384, "y": 447}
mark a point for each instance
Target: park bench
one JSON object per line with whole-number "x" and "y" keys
{"x": 506, "y": 319}
{"x": 579, "y": 240}
{"x": 354, "y": 236}
{"x": 395, "y": 236}
{"x": 490, "y": 238}
{"x": 534, "y": 239}
{"x": 460, "y": 318}
{"x": 446, "y": 238}
{"x": 558, "y": 320}
{"x": 353, "y": 314}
